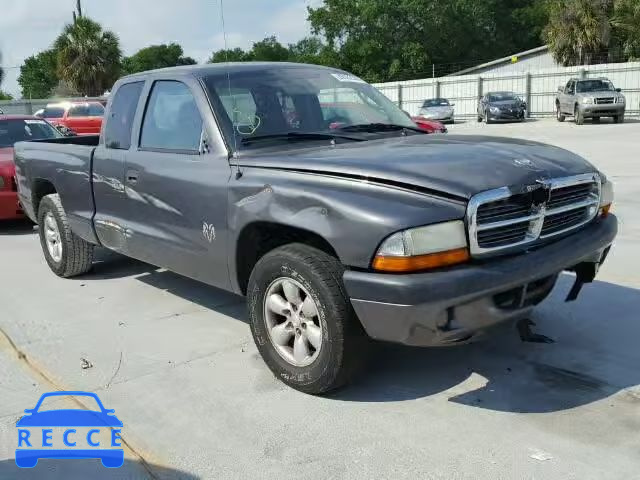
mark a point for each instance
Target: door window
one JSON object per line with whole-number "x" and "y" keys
{"x": 79, "y": 111}
{"x": 96, "y": 110}
{"x": 571, "y": 87}
{"x": 121, "y": 115}
{"x": 172, "y": 120}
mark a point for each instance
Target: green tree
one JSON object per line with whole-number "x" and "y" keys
{"x": 269, "y": 50}
{"x": 5, "y": 96}
{"x": 579, "y": 31}
{"x": 626, "y": 23}
{"x": 38, "y": 75}
{"x": 156, "y": 56}
{"x": 229, "y": 55}
{"x": 399, "y": 39}
{"x": 312, "y": 50}
{"x": 89, "y": 59}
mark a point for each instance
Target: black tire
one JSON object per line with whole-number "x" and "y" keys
{"x": 595, "y": 119}
{"x": 344, "y": 343}
{"x": 77, "y": 254}
{"x": 618, "y": 119}
{"x": 559, "y": 115}
{"x": 479, "y": 118}
{"x": 578, "y": 117}
{"x": 486, "y": 115}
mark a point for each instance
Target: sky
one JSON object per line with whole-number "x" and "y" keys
{"x": 30, "y": 26}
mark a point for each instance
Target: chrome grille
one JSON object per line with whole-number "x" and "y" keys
{"x": 601, "y": 101}
{"x": 499, "y": 219}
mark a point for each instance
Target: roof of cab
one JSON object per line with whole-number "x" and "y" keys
{"x": 231, "y": 67}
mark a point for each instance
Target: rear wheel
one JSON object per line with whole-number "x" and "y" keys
{"x": 559, "y": 115}
{"x": 302, "y": 321}
{"x": 66, "y": 254}
{"x": 578, "y": 116}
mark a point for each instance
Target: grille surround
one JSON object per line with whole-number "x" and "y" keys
{"x": 559, "y": 214}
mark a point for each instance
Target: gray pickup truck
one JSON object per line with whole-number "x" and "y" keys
{"x": 335, "y": 230}
{"x": 590, "y": 98}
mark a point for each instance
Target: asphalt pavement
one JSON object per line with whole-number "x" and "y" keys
{"x": 176, "y": 361}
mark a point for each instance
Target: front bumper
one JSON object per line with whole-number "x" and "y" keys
{"x": 458, "y": 304}
{"x": 604, "y": 110}
{"x": 507, "y": 115}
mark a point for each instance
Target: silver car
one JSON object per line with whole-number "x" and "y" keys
{"x": 590, "y": 98}
{"x": 437, "y": 109}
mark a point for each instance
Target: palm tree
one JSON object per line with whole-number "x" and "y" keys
{"x": 579, "y": 31}
{"x": 88, "y": 57}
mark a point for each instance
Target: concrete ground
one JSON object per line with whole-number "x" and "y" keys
{"x": 175, "y": 359}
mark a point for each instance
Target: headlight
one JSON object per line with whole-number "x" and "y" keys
{"x": 495, "y": 110}
{"x": 423, "y": 248}
{"x": 620, "y": 99}
{"x": 606, "y": 197}
{"x": 587, "y": 100}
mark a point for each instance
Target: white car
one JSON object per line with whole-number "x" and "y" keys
{"x": 438, "y": 109}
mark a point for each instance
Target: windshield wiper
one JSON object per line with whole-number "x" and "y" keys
{"x": 299, "y": 136}
{"x": 378, "y": 127}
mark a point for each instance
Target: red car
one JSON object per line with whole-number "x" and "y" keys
{"x": 82, "y": 118}
{"x": 430, "y": 126}
{"x": 16, "y": 128}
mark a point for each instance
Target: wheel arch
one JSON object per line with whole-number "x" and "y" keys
{"x": 258, "y": 238}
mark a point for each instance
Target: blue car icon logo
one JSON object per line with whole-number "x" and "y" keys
{"x": 69, "y": 433}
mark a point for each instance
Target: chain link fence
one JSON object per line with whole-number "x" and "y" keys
{"x": 537, "y": 87}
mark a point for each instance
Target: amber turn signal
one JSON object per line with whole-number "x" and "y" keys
{"x": 604, "y": 211}
{"x": 420, "y": 262}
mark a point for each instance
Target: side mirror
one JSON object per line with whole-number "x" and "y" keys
{"x": 452, "y": 104}
{"x": 561, "y": 89}
{"x": 618, "y": 90}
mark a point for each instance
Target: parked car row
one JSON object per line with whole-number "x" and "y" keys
{"x": 79, "y": 118}
{"x": 13, "y": 129}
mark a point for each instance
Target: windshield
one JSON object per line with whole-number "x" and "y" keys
{"x": 19, "y": 130}
{"x": 502, "y": 97}
{"x": 302, "y": 100}
{"x": 52, "y": 112}
{"x": 594, "y": 86}
{"x": 436, "y": 102}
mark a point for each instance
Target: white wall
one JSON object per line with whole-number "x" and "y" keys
{"x": 463, "y": 90}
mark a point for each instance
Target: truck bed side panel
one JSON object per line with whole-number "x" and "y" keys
{"x": 68, "y": 168}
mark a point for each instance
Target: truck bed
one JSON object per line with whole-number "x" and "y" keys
{"x": 63, "y": 165}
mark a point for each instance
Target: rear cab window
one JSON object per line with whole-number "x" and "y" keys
{"x": 121, "y": 116}
{"x": 78, "y": 111}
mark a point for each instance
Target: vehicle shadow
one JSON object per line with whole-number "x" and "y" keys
{"x": 596, "y": 352}
{"x": 595, "y": 356}
{"x": 83, "y": 469}
{"x": 17, "y": 227}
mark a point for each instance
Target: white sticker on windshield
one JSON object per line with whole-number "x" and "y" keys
{"x": 346, "y": 77}
{"x": 34, "y": 122}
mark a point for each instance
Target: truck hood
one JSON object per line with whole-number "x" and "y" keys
{"x": 451, "y": 165}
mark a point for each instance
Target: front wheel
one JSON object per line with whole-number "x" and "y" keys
{"x": 559, "y": 116}
{"x": 618, "y": 119}
{"x": 302, "y": 321}
{"x": 488, "y": 119}
{"x": 66, "y": 254}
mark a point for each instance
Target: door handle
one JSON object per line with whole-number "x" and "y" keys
{"x": 132, "y": 177}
